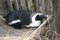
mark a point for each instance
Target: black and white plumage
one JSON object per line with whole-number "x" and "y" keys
{"x": 25, "y": 18}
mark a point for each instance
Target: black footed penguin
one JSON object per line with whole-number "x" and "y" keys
{"x": 24, "y": 18}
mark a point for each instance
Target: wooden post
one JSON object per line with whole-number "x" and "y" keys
{"x": 10, "y": 5}
{"x": 37, "y": 5}
{"x": 56, "y": 5}
{"x": 43, "y": 6}
{"x": 16, "y": 4}
{"x": 23, "y": 4}
{"x": 30, "y": 5}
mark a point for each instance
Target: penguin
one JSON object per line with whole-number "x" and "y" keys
{"x": 25, "y": 18}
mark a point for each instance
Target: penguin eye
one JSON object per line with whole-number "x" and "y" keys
{"x": 37, "y": 17}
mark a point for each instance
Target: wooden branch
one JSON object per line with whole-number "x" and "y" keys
{"x": 1, "y": 18}
{"x": 38, "y": 29}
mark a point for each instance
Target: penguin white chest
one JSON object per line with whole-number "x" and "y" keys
{"x": 34, "y": 23}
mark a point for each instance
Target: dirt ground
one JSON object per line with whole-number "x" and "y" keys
{"x": 14, "y": 32}
{"x": 9, "y": 33}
